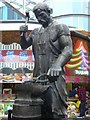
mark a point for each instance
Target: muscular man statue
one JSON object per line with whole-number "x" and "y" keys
{"x": 52, "y": 49}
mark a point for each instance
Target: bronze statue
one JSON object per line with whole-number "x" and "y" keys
{"x": 52, "y": 49}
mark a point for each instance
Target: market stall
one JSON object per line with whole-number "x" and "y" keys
{"x": 78, "y": 73}
{"x": 77, "y": 70}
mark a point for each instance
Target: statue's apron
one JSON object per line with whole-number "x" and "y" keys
{"x": 44, "y": 58}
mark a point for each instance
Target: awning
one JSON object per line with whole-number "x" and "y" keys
{"x": 15, "y": 25}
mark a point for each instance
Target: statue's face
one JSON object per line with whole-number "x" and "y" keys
{"x": 42, "y": 16}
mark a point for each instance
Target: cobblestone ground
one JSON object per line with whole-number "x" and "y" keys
{"x": 87, "y": 118}
{"x": 3, "y": 118}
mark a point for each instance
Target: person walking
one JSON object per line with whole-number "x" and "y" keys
{"x": 82, "y": 97}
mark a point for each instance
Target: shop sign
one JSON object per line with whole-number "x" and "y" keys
{"x": 16, "y": 56}
{"x": 81, "y": 72}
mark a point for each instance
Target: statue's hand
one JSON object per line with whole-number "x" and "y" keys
{"x": 23, "y": 28}
{"x": 54, "y": 71}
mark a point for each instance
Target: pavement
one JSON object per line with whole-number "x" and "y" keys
{"x": 86, "y": 118}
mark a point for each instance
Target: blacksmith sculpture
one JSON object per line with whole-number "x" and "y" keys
{"x": 52, "y": 49}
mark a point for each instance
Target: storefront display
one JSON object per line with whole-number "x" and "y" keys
{"x": 73, "y": 110}
{"x": 16, "y": 67}
{"x": 78, "y": 73}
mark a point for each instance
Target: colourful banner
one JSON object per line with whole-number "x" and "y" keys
{"x": 16, "y": 56}
{"x": 77, "y": 79}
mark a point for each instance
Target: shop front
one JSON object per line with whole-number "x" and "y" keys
{"x": 78, "y": 74}
{"x": 77, "y": 70}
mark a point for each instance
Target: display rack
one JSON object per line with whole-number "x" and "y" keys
{"x": 16, "y": 66}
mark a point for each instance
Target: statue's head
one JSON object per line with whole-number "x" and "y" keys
{"x": 42, "y": 12}
{"x": 43, "y": 7}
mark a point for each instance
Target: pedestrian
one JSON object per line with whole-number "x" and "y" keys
{"x": 82, "y": 98}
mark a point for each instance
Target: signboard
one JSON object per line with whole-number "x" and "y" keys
{"x": 16, "y": 56}
{"x": 79, "y": 63}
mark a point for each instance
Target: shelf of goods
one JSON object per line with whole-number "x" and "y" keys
{"x": 16, "y": 66}
{"x": 73, "y": 107}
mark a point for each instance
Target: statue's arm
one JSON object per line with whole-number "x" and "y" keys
{"x": 65, "y": 44}
{"x": 66, "y": 54}
{"x": 25, "y": 41}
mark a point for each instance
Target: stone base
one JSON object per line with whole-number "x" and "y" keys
{"x": 27, "y": 109}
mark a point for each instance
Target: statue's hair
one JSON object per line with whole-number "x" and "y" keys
{"x": 42, "y": 6}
